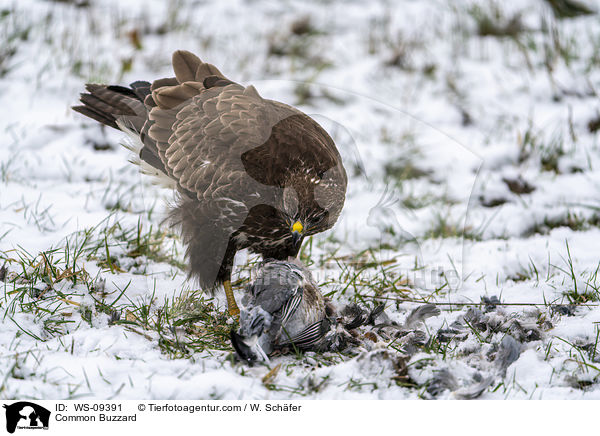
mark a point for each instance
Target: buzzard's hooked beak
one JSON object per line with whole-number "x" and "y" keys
{"x": 297, "y": 232}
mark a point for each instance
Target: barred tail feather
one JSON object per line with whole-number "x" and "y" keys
{"x": 124, "y": 109}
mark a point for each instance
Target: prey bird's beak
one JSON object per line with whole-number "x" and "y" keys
{"x": 297, "y": 232}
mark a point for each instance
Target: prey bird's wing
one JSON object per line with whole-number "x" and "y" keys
{"x": 307, "y": 337}
{"x": 290, "y": 307}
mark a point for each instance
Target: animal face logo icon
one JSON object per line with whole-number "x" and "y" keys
{"x": 26, "y": 415}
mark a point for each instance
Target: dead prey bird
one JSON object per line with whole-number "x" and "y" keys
{"x": 285, "y": 311}
{"x": 250, "y": 172}
{"x": 284, "y": 307}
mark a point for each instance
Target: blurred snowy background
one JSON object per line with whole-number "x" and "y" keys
{"x": 468, "y": 130}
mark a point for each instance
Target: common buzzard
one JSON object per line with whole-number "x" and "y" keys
{"x": 250, "y": 172}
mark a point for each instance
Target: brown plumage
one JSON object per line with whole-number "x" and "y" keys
{"x": 250, "y": 172}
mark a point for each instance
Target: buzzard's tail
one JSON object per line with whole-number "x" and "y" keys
{"x": 111, "y": 105}
{"x": 124, "y": 109}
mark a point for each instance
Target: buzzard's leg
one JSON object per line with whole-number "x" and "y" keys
{"x": 231, "y": 304}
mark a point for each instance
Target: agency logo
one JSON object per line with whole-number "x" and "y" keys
{"x": 26, "y": 415}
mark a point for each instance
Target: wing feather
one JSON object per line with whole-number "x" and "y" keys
{"x": 185, "y": 65}
{"x": 307, "y": 337}
{"x": 205, "y": 136}
{"x": 290, "y": 307}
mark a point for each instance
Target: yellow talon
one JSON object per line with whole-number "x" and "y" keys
{"x": 231, "y": 304}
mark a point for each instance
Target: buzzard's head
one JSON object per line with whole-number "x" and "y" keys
{"x": 300, "y": 159}
{"x": 313, "y": 202}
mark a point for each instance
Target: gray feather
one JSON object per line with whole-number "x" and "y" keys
{"x": 475, "y": 390}
{"x": 420, "y": 314}
{"x": 508, "y": 353}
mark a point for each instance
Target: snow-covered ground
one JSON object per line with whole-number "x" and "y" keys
{"x": 468, "y": 130}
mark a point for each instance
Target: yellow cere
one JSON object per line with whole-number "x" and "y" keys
{"x": 297, "y": 227}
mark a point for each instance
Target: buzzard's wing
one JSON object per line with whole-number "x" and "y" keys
{"x": 201, "y": 126}
{"x": 204, "y": 124}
